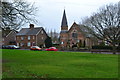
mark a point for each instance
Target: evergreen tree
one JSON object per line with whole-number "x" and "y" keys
{"x": 48, "y": 42}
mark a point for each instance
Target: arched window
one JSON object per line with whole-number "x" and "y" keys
{"x": 74, "y": 35}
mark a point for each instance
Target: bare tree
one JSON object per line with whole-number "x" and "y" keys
{"x": 17, "y": 13}
{"x": 105, "y": 24}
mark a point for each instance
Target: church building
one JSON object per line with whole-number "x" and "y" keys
{"x": 74, "y": 37}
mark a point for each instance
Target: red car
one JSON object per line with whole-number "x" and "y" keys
{"x": 35, "y": 48}
{"x": 52, "y": 49}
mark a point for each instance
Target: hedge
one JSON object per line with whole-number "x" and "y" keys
{"x": 102, "y": 47}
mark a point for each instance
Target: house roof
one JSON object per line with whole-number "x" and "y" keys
{"x": 28, "y": 31}
{"x": 5, "y": 33}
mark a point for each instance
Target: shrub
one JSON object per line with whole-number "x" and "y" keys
{"x": 56, "y": 45}
{"x": 118, "y": 48}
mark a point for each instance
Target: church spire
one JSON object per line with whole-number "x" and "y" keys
{"x": 64, "y": 20}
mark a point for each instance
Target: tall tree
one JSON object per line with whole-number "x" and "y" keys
{"x": 48, "y": 42}
{"x": 105, "y": 24}
{"x": 17, "y": 13}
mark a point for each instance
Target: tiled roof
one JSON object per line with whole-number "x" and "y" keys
{"x": 28, "y": 31}
{"x": 6, "y": 32}
{"x": 82, "y": 29}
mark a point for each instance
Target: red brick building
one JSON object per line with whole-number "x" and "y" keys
{"x": 9, "y": 37}
{"x": 74, "y": 35}
{"x": 32, "y": 36}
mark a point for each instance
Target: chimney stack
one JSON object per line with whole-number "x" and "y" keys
{"x": 31, "y": 26}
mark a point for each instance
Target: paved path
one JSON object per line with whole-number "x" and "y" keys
{"x": 93, "y": 53}
{"x": 84, "y": 52}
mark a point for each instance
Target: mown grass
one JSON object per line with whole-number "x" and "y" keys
{"x": 44, "y": 64}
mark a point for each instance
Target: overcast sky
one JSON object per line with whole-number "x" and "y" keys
{"x": 51, "y": 11}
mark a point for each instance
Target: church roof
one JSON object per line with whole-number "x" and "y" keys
{"x": 64, "y": 20}
{"x": 82, "y": 29}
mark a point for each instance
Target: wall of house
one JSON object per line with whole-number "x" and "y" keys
{"x": 11, "y": 37}
{"x": 23, "y": 43}
{"x": 41, "y": 37}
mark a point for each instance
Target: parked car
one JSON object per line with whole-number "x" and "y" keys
{"x": 51, "y": 49}
{"x": 10, "y": 47}
{"x": 5, "y": 46}
{"x": 13, "y": 47}
{"x": 35, "y": 48}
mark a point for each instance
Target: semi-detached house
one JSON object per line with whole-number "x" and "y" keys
{"x": 31, "y": 36}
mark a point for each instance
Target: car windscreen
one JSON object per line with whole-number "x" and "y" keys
{"x": 35, "y": 47}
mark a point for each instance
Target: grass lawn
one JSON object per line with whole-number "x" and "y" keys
{"x": 44, "y": 64}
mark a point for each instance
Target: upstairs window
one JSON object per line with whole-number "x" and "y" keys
{"x": 3, "y": 39}
{"x": 28, "y": 37}
{"x": 42, "y": 32}
{"x": 17, "y": 38}
{"x": 22, "y": 38}
{"x": 74, "y": 35}
{"x": 42, "y": 38}
{"x": 33, "y": 37}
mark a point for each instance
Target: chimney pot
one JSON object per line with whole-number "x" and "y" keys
{"x": 31, "y": 26}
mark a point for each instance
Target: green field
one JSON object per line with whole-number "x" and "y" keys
{"x": 44, "y": 64}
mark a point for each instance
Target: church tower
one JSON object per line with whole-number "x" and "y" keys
{"x": 64, "y": 31}
{"x": 64, "y": 24}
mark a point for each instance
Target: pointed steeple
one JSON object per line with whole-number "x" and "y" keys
{"x": 64, "y": 20}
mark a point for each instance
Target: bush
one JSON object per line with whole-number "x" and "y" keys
{"x": 105, "y": 47}
{"x": 118, "y": 48}
{"x": 56, "y": 45}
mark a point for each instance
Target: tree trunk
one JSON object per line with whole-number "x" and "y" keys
{"x": 114, "y": 49}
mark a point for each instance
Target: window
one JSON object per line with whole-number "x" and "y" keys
{"x": 74, "y": 35}
{"x": 28, "y": 37}
{"x": 22, "y": 38}
{"x": 42, "y": 38}
{"x": 21, "y": 44}
{"x": 28, "y": 44}
{"x": 33, "y": 44}
{"x": 3, "y": 39}
{"x": 17, "y": 38}
{"x": 33, "y": 37}
{"x": 42, "y": 32}
{"x": 17, "y": 44}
